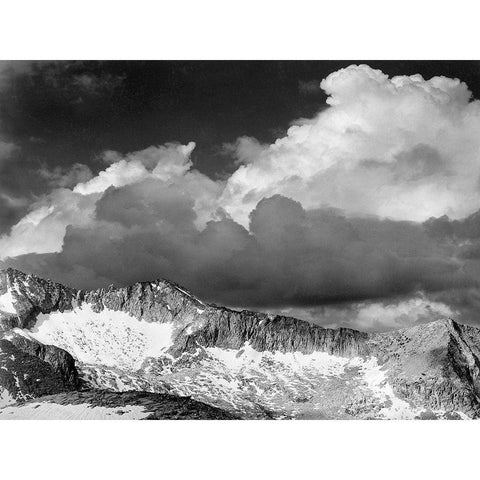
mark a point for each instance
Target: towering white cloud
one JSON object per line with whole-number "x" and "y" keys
{"x": 404, "y": 148}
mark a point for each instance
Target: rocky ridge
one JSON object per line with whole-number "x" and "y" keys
{"x": 247, "y": 362}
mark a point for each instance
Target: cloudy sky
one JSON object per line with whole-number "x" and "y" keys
{"x": 344, "y": 193}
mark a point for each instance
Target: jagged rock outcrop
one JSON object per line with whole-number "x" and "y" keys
{"x": 162, "y": 301}
{"x": 32, "y": 295}
{"x": 157, "y": 301}
{"x": 25, "y": 374}
{"x": 60, "y": 360}
{"x": 230, "y": 329}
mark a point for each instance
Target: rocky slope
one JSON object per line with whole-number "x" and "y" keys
{"x": 157, "y": 337}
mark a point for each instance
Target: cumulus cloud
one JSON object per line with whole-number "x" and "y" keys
{"x": 403, "y": 147}
{"x": 331, "y": 213}
{"x": 43, "y": 229}
{"x": 164, "y": 162}
{"x": 244, "y": 150}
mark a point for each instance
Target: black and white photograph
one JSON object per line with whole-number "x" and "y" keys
{"x": 239, "y": 241}
{"x": 325, "y": 270}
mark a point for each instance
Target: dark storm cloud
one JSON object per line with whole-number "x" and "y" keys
{"x": 462, "y": 237}
{"x": 290, "y": 256}
{"x": 150, "y": 204}
{"x": 445, "y": 229}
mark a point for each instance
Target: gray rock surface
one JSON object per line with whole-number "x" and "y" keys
{"x": 436, "y": 364}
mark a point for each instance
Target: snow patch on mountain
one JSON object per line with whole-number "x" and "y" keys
{"x": 7, "y": 302}
{"x": 273, "y": 372}
{"x": 5, "y": 397}
{"x": 48, "y": 410}
{"x": 113, "y": 379}
{"x": 248, "y": 358}
{"x": 111, "y": 338}
{"x": 376, "y": 379}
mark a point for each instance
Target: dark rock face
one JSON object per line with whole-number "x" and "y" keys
{"x": 229, "y": 329}
{"x": 33, "y": 295}
{"x": 60, "y": 360}
{"x": 27, "y": 375}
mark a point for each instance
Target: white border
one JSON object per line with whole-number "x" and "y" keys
{"x": 384, "y": 450}
{"x": 248, "y": 29}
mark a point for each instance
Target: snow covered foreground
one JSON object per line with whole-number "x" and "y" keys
{"x": 53, "y": 411}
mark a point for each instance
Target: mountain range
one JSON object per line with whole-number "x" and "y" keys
{"x": 153, "y": 350}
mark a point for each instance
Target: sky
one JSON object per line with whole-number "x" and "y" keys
{"x": 346, "y": 193}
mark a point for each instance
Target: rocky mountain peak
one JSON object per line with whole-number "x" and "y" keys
{"x": 157, "y": 336}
